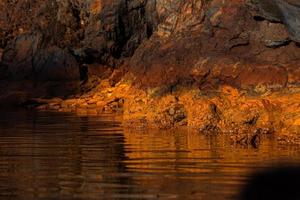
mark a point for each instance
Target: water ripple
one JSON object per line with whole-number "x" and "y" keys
{"x": 61, "y": 156}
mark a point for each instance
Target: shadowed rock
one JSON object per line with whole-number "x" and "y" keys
{"x": 168, "y": 42}
{"x": 286, "y": 11}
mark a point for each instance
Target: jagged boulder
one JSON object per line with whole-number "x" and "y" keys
{"x": 55, "y": 64}
{"x": 286, "y": 11}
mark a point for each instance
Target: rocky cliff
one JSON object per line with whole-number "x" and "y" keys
{"x": 49, "y": 40}
{"x": 236, "y": 55}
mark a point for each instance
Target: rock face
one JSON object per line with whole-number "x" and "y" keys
{"x": 230, "y": 66}
{"x": 174, "y": 39}
{"x": 221, "y": 42}
{"x": 94, "y": 31}
{"x": 286, "y": 11}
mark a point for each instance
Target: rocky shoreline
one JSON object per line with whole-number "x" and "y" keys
{"x": 218, "y": 66}
{"x": 245, "y": 115}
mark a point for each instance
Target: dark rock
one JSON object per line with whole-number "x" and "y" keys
{"x": 83, "y": 71}
{"x": 96, "y": 31}
{"x": 19, "y": 55}
{"x": 255, "y": 140}
{"x": 216, "y": 51}
{"x": 169, "y": 42}
{"x": 1, "y": 53}
{"x": 55, "y": 64}
{"x": 116, "y": 76}
{"x": 275, "y": 44}
{"x": 117, "y": 28}
{"x": 286, "y": 11}
{"x": 274, "y": 34}
{"x": 210, "y": 129}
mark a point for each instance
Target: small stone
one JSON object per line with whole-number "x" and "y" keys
{"x": 114, "y": 105}
{"x": 260, "y": 89}
{"x": 255, "y": 141}
{"x": 179, "y": 117}
{"x": 171, "y": 111}
{"x": 121, "y": 101}
{"x": 275, "y": 44}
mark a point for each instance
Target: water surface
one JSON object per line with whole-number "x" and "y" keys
{"x": 62, "y": 156}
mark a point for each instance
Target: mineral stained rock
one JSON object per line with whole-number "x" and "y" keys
{"x": 100, "y": 31}
{"x": 286, "y": 11}
{"x": 168, "y": 34}
{"x": 218, "y": 42}
{"x": 218, "y": 65}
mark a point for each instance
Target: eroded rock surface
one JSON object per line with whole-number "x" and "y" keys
{"x": 220, "y": 65}
{"x": 170, "y": 35}
{"x": 286, "y": 11}
{"x": 95, "y": 31}
{"x": 218, "y": 42}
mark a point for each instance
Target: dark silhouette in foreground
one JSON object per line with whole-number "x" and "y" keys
{"x": 279, "y": 183}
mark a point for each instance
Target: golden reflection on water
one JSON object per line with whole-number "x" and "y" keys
{"x": 58, "y": 156}
{"x": 206, "y": 167}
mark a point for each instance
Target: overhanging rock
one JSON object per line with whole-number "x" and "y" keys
{"x": 286, "y": 11}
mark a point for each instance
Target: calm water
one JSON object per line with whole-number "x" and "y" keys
{"x": 60, "y": 156}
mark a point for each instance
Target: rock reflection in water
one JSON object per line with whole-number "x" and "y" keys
{"x": 192, "y": 165}
{"x": 58, "y": 156}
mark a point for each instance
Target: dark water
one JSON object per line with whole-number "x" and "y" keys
{"x": 60, "y": 156}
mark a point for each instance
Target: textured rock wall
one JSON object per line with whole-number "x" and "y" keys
{"x": 286, "y": 11}
{"x": 192, "y": 41}
{"x": 217, "y": 42}
{"x": 91, "y": 31}
{"x": 228, "y": 66}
